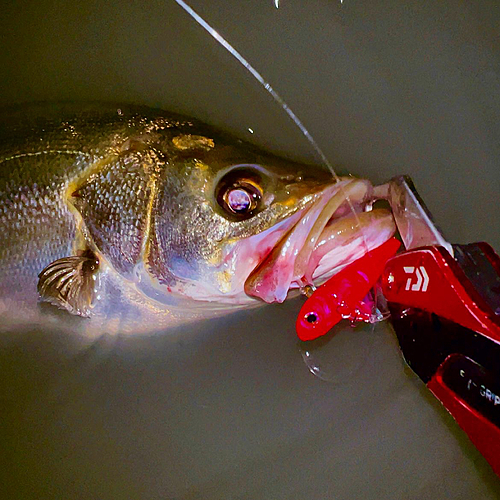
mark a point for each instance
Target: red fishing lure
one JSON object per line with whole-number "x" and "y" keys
{"x": 341, "y": 297}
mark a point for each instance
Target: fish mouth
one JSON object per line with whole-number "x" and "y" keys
{"x": 332, "y": 232}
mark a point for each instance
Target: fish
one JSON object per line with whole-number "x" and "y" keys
{"x": 136, "y": 219}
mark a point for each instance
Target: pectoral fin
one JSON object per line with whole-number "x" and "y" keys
{"x": 68, "y": 283}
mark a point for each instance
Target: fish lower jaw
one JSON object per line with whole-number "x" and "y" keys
{"x": 190, "y": 295}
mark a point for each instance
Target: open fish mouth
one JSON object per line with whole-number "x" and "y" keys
{"x": 334, "y": 230}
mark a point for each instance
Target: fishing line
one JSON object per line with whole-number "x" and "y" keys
{"x": 310, "y": 359}
{"x": 267, "y": 86}
{"x": 276, "y": 97}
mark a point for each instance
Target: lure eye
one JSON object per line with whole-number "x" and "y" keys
{"x": 239, "y": 194}
{"x": 311, "y": 318}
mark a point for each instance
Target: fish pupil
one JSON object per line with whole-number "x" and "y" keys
{"x": 240, "y": 193}
{"x": 239, "y": 200}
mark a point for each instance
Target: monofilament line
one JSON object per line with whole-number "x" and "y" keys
{"x": 279, "y": 100}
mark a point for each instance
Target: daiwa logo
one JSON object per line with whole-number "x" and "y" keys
{"x": 422, "y": 279}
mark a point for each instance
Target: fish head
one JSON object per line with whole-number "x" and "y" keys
{"x": 185, "y": 213}
{"x": 219, "y": 212}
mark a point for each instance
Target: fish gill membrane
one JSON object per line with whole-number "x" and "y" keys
{"x": 131, "y": 219}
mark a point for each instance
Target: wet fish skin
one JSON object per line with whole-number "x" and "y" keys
{"x": 137, "y": 187}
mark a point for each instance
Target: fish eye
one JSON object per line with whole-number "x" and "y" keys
{"x": 239, "y": 194}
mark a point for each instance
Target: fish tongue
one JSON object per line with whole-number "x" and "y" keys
{"x": 272, "y": 278}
